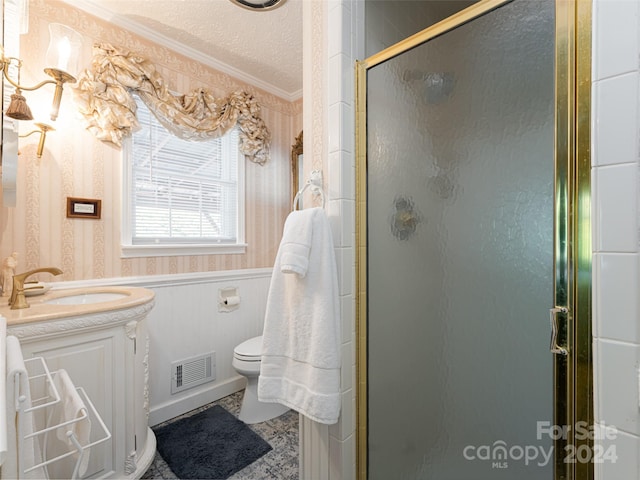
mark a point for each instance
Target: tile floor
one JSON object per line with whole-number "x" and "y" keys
{"x": 281, "y": 432}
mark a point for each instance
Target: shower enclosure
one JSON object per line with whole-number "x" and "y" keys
{"x": 472, "y": 233}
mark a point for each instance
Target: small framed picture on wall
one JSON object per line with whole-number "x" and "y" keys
{"x": 83, "y": 208}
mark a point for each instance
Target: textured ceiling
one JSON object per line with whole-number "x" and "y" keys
{"x": 266, "y": 45}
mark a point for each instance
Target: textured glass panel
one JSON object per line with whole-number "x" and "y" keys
{"x": 390, "y": 21}
{"x": 460, "y": 252}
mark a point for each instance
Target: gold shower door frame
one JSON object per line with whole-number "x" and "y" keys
{"x": 572, "y": 374}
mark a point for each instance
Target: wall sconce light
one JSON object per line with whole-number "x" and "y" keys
{"x": 43, "y": 128}
{"x": 62, "y": 57}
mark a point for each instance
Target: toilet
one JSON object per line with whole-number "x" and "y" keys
{"x": 246, "y": 361}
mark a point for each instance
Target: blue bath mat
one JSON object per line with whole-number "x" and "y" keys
{"x": 212, "y": 445}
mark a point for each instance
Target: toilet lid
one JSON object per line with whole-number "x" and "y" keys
{"x": 249, "y": 348}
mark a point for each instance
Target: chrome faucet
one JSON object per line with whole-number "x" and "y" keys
{"x": 18, "y": 299}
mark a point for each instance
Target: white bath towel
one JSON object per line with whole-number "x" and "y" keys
{"x": 3, "y": 391}
{"x": 70, "y": 407}
{"x": 22, "y": 453}
{"x": 300, "y": 365}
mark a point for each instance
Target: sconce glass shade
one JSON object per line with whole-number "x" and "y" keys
{"x": 64, "y": 50}
{"x": 62, "y": 60}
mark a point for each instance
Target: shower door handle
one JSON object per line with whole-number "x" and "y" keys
{"x": 553, "y": 317}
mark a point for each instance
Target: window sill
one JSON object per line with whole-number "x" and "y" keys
{"x": 133, "y": 251}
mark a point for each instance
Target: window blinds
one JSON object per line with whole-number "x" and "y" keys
{"x": 183, "y": 191}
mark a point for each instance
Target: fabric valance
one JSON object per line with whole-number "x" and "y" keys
{"x": 104, "y": 96}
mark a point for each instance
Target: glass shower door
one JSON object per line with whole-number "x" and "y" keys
{"x": 460, "y": 255}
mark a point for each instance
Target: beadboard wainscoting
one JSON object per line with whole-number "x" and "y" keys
{"x": 186, "y": 322}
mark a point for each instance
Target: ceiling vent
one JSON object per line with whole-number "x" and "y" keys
{"x": 259, "y": 4}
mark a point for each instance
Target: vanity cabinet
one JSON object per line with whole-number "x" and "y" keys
{"x": 107, "y": 354}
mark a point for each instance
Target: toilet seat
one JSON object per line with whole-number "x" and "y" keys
{"x": 249, "y": 350}
{"x": 246, "y": 358}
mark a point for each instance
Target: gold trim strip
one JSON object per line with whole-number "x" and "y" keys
{"x": 583, "y": 358}
{"x": 563, "y": 296}
{"x": 573, "y": 375}
{"x": 454, "y": 21}
{"x": 361, "y": 270}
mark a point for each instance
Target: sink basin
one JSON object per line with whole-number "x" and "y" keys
{"x": 86, "y": 298}
{"x": 107, "y": 303}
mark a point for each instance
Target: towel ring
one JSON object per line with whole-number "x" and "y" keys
{"x": 315, "y": 184}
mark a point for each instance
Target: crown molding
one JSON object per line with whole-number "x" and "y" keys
{"x": 94, "y": 8}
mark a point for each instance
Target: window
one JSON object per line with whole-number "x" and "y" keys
{"x": 181, "y": 197}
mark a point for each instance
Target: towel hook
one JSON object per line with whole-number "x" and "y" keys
{"x": 315, "y": 184}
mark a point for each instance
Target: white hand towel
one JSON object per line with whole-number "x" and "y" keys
{"x": 295, "y": 245}
{"x": 70, "y": 407}
{"x": 22, "y": 453}
{"x": 300, "y": 365}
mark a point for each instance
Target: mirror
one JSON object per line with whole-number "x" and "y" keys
{"x": 9, "y": 28}
{"x": 297, "y": 170}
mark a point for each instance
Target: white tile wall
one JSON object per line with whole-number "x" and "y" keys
{"x": 343, "y": 17}
{"x": 615, "y": 108}
{"x": 618, "y": 457}
{"x": 616, "y": 208}
{"x": 616, "y": 303}
{"x": 615, "y": 139}
{"x": 341, "y": 178}
{"x": 615, "y": 37}
{"x": 617, "y": 370}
